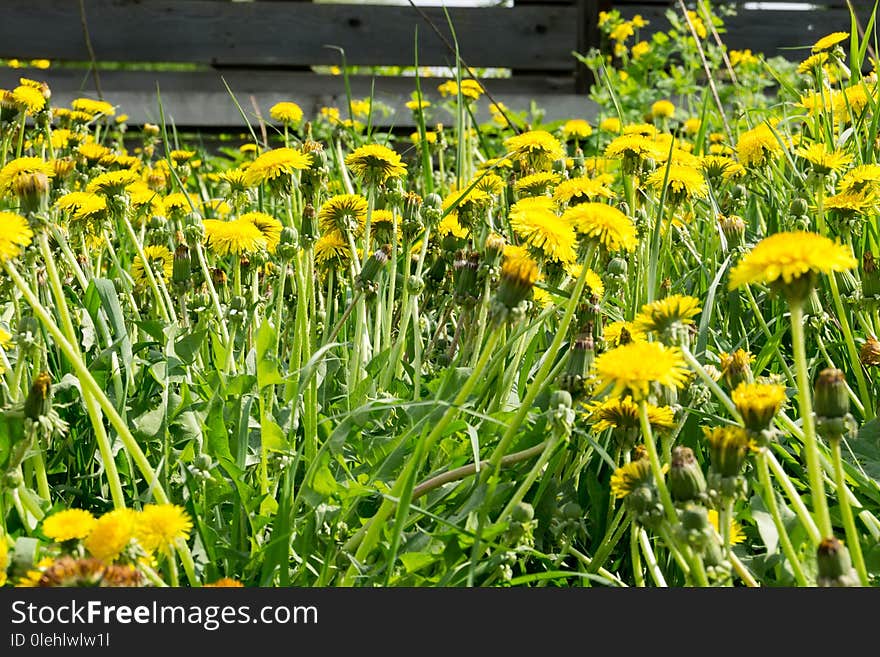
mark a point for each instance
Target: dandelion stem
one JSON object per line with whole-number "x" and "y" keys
{"x": 773, "y": 507}
{"x": 852, "y": 534}
{"x": 811, "y": 443}
{"x": 851, "y": 347}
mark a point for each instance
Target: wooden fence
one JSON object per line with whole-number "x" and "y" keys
{"x": 265, "y": 49}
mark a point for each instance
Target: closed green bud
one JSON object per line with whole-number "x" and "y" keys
{"x": 798, "y": 207}
{"x": 522, "y": 512}
{"x": 181, "y": 271}
{"x": 39, "y": 399}
{"x": 617, "y": 267}
{"x": 373, "y": 266}
{"x": 831, "y": 397}
{"x": 834, "y": 565}
{"x": 870, "y": 276}
{"x": 685, "y": 478}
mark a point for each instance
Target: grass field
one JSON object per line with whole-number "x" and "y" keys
{"x": 637, "y": 351}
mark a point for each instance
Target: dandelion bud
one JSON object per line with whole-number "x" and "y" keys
{"x": 466, "y": 267}
{"x": 494, "y": 248}
{"x": 151, "y": 129}
{"x": 373, "y": 266}
{"x": 580, "y": 362}
{"x": 32, "y": 190}
{"x": 39, "y": 399}
{"x": 522, "y": 512}
{"x": 734, "y": 229}
{"x": 415, "y": 285}
{"x": 617, "y": 268}
{"x": 869, "y": 354}
{"x": 63, "y": 167}
{"x": 685, "y": 478}
{"x": 728, "y": 447}
{"x": 736, "y": 367}
{"x": 433, "y": 201}
{"x": 181, "y": 271}
{"x": 218, "y": 276}
{"x": 870, "y": 276}
{"x": 830, "y": 397}
{"x": 737, "y": 192}
{"x": 695, "y": 527}
{"x": 834, "y": 565}
{"x": 798, "y": 207}
{"x": 518, "y": 276}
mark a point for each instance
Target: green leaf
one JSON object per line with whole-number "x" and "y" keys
{"x": 323, "y": 481}
{"x": 766, "y": 526}
{"x": 150, "y": 424}
{"x": 188, "y": 346}
{"x": 267, "y": 368}
{"x": 272, "y": 436}
{"x": 413, "y": 561}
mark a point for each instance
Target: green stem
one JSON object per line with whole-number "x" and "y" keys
{"x": 811, "y": 442}
{"x": 852, "y": 534}
{"x": 851, "y": 348}
{"x": 656, "y": 467}
{"x": 797, "y": 503}
{"x": 635, "y": 555}
{"x": 651, "y": 559}
{"x": 773, "y": 507}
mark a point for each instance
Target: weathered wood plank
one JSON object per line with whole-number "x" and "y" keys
{"x": 200, "y": 99}
{"x": 782, "y": 33}
{"x": 289, "y": 33}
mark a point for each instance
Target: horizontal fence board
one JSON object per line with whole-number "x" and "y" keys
{"x": 782, "y": 33}
{"x": 286, "y": 33}
{"x": 201, "y": 100}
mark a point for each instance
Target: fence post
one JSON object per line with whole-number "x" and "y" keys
{"x": 587, "y": 37}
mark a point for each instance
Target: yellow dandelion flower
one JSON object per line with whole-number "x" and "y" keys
{"x": 742, "y": 58}
{"x": 224, "y": 582}
{"x": 622, "y": 32}
{"x": 268, "y": 225}
{"x": 111, "y": 534}
{"x": 23, "y": 167}
{"x": 286, "y": 112}
{"x": 616, "y": 334}
{"x": 631, "y": 147}
{"x": 623, "y": 413}
{"x": 489, "y": 183}
{"x": 758, "y": 403}
{"x": 40, "y": 63}
{"x": 537, "y": 183}
{"x": 822, "y": 161}
{"x": 273, "y": 165}
{"x": 430, "y": 137}
{"x": 593, "y": 284}
{"x": 736, "y": 532}
{"x": 68, "y": 525}
{"x": 534, "y": 220}
{"x": 331, "y": 250}
{"x": 787, "y": 257}
{"x": 576, "y": 129}
{"x": 83, "y": 205}
{"x": 611, "y": 124}
{"x": 630, "y": 476}
{"x": 757, "y": 145}
{"x": 160, "y": 526}
{"x": 682, "y": 182}
{"x": 236, "y": 237}
{"x": 15, "y": 235}
{"x": 449, "y": 226}
{"x": 853, "y": 203}
{"x": 4, "y": 560}
{"x": 610, "y": 227}
{"x": 828, "y": 41}
{"x": 180, "y": 156}
{"x": 581, "y": 189}
{"x": 343, "y": 212}
{"x": 856, "y": 180}
{"x": 177, "y": 202}
{"x": 662, "y": 109}
{"x": 640, "y": 49}
{"x": 519, "y": 273}
{"x": 660, "y": 315}
{"x": 719, "y": 166}
{"x": 416, "y": 105}
{"x": 5, "y": 338}
{"x": 692, "y": 125}
{"x": 813, "y": 62}
{"x": 470, "y": 89}
{"x": 93, "y": 152}
{"x": 112, "y": 183}
{"x": 93, "y": 107}
{"x": 375, "y": 164}
{"x": 728, "y": 447}
{"x": 159, "y": 259}
{"x": 536, "y": 148}
{"x": 632, "y": 368}
{"x": 29, "y": 99}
